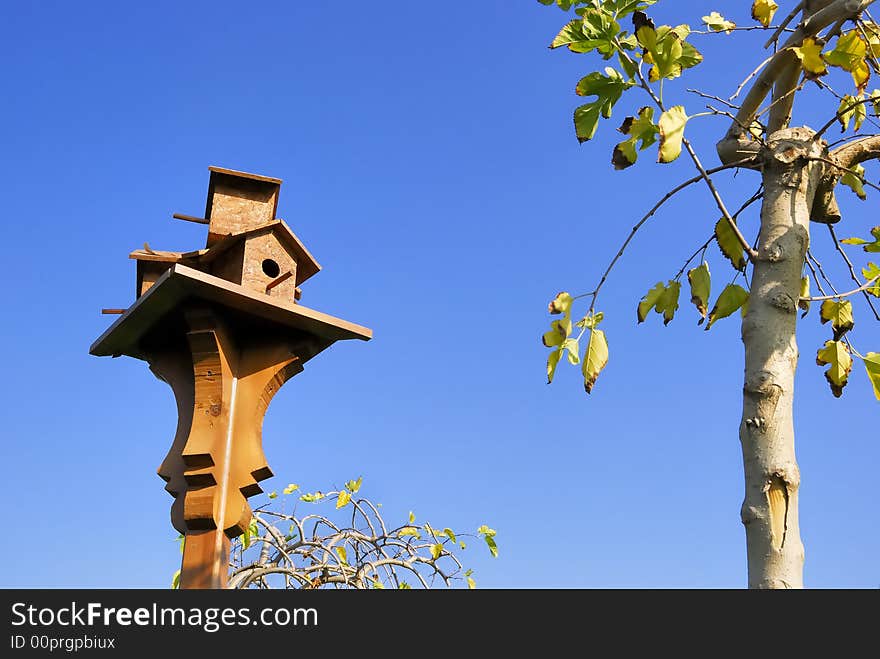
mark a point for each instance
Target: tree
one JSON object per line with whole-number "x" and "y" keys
{"x": 287, "y": 549}
{"x": 799, "y": 175}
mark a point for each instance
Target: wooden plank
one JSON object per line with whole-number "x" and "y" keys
{"x": 255, "y": 177}
{"x": 180, "y": 282}
{"x": 280, "y": 279}
{"x": 112, "y": 311}
{"x": 190, "y": 218}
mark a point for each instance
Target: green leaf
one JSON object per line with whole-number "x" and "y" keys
{"x": 663, "y": 299}
{"x": 810, "y": 55}
{"x": 409, "y": 530}
{"x": 701, "y": 287}
{"x": 805, "y": 293}
{"x": 342, "y": 499}
{"x": 490, "y": 542}
{"x": 607, "y": 89}
{"x": 872, "y": 272}
{"x": 450, "y": 534}
{"x": 462, "y": 544}
{"x": 671, "y": 126}
{"x": 872, "y": 365}
{"x": 436, "y": 550}
{"x": 343, "y": 555}
{"x": 868, "y": 245}
{"x": 717, "y": 23}
{"x": 763, "y": 10}
{"x": 839, "y": 313}
{"x": 354, "y": 486}
{"x": 291, "y": 488}
{"x": 836, "y": 355}
{"x": 640, "y": 129}
{"x": 665, "y": 48}
{"x": 595, "y": 358}
{"x": 854, "y": 181}
{"x": 313, "y": 497}
{"x": 729, "y": 244}
{"x": 849, "y": 54}
{"x": 272, "y": 495}
{"x": 175, "y": 579}
{"x": 845, "y": 111}
{"x": 181, "y": 539}
{"x": 732, "y": 298}
{"x": 561, "y": 303}
{"x": 591, "y": 320}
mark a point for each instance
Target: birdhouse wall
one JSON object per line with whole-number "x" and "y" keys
{"x": 266, "y": 259}
{"x": 230, "y": 264}
{"x": 147, "y": 274}
{"x": 237, "y": 205}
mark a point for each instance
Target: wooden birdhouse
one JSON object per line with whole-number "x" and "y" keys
{"x": 246, "y": 243}
{"x": 223, "y": 327}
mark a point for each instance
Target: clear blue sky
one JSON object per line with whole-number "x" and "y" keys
{"x": 430, "y": 165}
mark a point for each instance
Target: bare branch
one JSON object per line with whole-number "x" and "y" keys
{"x": 852, "y": 270}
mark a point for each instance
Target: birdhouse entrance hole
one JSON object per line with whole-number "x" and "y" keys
{"x": 271, "y": 268}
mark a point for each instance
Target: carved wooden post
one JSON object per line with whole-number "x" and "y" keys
{"x": 223, "y": 328}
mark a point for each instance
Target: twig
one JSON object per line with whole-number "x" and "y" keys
{"x": 821, "y": 271}
{"x": 864, "y": 287}
{"x": 750, "y": 76}
{"x": 733, "y": 106}
{"x": 852, "y": 270}
{"x": 861, "y": 177}
{"x": 595, "y": 293}
{"x": 840, "y": 114}
{"x": 815, "y": 276}
{"x": 774, "y": 38}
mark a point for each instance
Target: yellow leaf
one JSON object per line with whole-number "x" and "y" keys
{"x": 839, "y": 312}
{"x": 805, "y": 293}
{"x": 872, "y": 365}
{"x": 343, "y": 555}
{"x": 671, "y": 133}
{"x": 471, "y": 583}
{"x": 729, "y": 244}
{"x": 343, "y": 498}
{"x": 717, "y": 23}
{"x": 436, "y": 550}
{"x": 595, "y": 358}
{"x": 559, "y": 332}
{"x": 849, "y": 54}
{"x": 810, "y": 55}
{"x": 838, "y": 358}
{"x": 561, "y": 303}
{"x": 731, "y": 298}
{"x": 701, "y": 285}
{"x": 763, "y": 10}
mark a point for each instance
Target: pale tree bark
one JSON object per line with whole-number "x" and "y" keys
{"x": 770, "y": 509}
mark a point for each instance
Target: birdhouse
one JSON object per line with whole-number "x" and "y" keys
{"x": 223, "y": 327}
{"x": 246, "y": 244}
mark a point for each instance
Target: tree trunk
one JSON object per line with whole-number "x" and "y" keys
{"x": 772, "y": 479}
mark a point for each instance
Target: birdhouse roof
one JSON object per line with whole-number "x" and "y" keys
{"x": 306, "y": 265}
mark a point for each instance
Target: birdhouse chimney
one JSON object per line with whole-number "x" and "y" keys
{"x": 238, "y": 201}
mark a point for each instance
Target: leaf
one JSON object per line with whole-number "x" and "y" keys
{"x": 872, "y": 365}
{"x": 640, "y": 129}
{"x": 403, "y": 586}
{"x": 717, "y": 23}
{"x": 493, "y": 547}
{"x": 810, "y": 55}
{"x": 291, "y": 488}
{"x": 868, "y": 245}
{"x": 272, "y": 495}
{"x": 595, "y": 358}
{"x": 552, "y": 362}
{"x": 343, "y": 555}
{"x": 342, "y": 499}
{"x": 175, "y": 579}
{"x": 450, "y": 534}
{"x": 485, "y": 530}
{"x": 181, "y": 539}
{"x": 838, "y": 358}
{"x": 732, "y": 298}
{"x": 701, "y": 285}
{"x": 409, "y": 530}
{"x": 412, "y": 517}
{"x": 845, "y": 111}
{"x": 607, "y": 89}
{"x": 671, "y": 133}
{"x": 854, "y": 181}
{"x": 436, "y": 550}
{"x": 311, "y": 498}
{"x": 663, "y": 299}
{"x": 462, "y": 544}
{"x": 729, "y": 244}
{"x": 803, "y": 303}
{"x": 665, "y": 48}
{"x": 354, "y": 486}
{"x": 763, "y": 10}
{"x": 377, "y": 585}
{"x": 872, "y": 272}
{"x": 591, "y": 320}
{"x": 559, "y": 331}
{"x": 839, "y": 313}
{"x": 849, "y": 55}
{"x": 649, "y": 301}
{"x": 561, "y": 303}
{"x": 471, "y": 583}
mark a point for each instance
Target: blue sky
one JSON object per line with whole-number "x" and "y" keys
{"x": 430, "y": 165}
